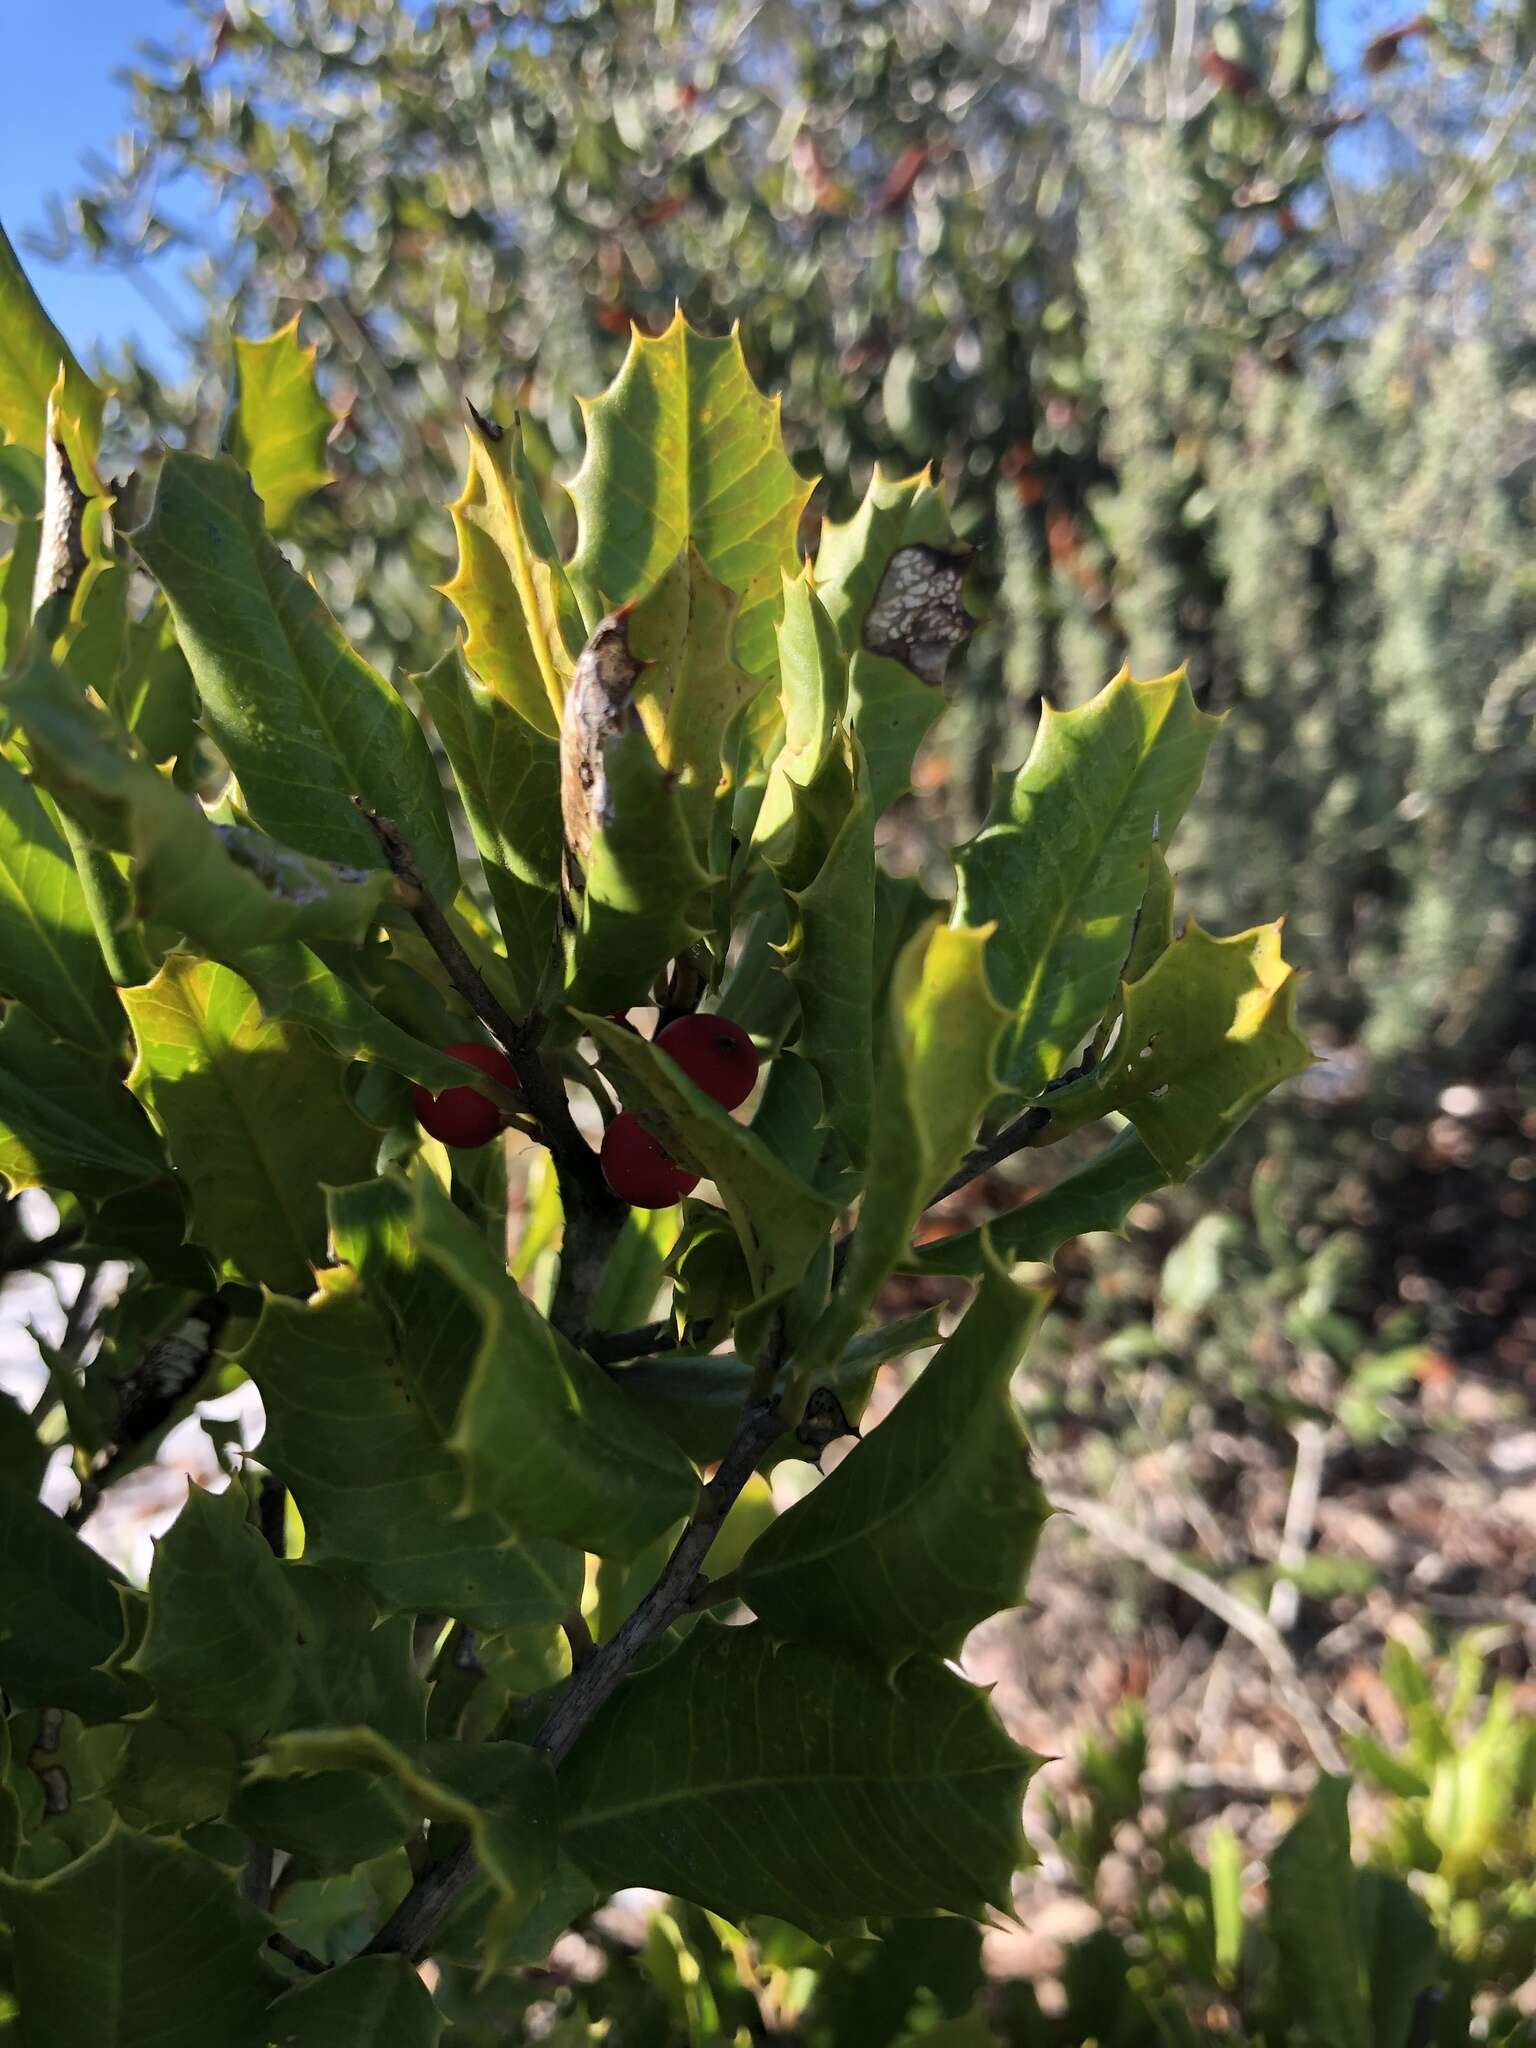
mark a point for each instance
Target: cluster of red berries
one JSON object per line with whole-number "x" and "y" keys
{"x": 715, "y": 1054}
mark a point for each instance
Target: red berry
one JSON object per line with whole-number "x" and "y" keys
{"x": 638, "y": 1170}
{"x": 715, "y": 1053}
{"x": 463, "y": 1117}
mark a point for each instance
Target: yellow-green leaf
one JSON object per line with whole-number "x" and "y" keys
{"x": 280, "y": 424}
{"x": 522, "y": 627}
{"x": 1207, "y": 1032}
{"x": 683, "y": 448}
{"x": 254, "y": 1114}
{"x": 32, "y": 353}
{"x": 1062, "y": 866}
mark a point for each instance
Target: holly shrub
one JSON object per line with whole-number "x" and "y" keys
{"x": 495, "y": 1619}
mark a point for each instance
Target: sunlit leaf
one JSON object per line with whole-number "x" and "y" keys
{"x": 255, "y": 1118}
{"x": 508, "y": 774}
{"x": 304, "y": 722}
{"x": 683, "y": 448}
{"x": 32, "y": 353}
{"x": 280, "y": 424}
{"x": 522, "y": 624}
{"x": 1207, "y": 1032}
{"x": 935, "y": 1078}
{"x": 49, "y": 955}
{"x": 896, "y": 658}
{"x": 1062, "y": 866}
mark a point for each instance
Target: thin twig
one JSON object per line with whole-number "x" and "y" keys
{"x": 300, "y": 1957}
{"x": 618, "y": 1347}
{"x": 1244, "y": 1620}
{"x": 1024, "y": 1131}
{"x": 433, "y": 1897}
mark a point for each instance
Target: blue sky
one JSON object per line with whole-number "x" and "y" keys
{"x": 59, "y": 99}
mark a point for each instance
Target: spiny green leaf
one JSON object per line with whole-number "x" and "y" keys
{"x": 503, "y": 1792}
{"x": 829, "y": 951}
{"x": 1098, "y": 1196}
{"x": 437, "y": 1330}
{"x": 691, "y": 689}
{"x": 303, "y": 721}
{"x": 1062, "y": 866}
{"x": 225, "y": 887}
{"x": 523, "y": 627}
{"x": 1207, "y": 1032}
{"x": 779, "y": 1220}
{"x": 255, "y": 1118}
{"x": 173, "y": 1774}
{"x": 508, "y": 774}
{"x": 280, "y": 424}
{"x": 220, "y": 1641}
{"x": 377, "y": 1491}
{"x": 813, "y": 690}
{"x": 49, "y": 955}
{"x": 173, "y": 1959}
{"x": 682, "y": 447}
{"x": 756, "y": 1776}
{"x": 935, "y": 1079}
{"x": 927, "y": 1527}
{"x": 547, "y": 1442}
{"x": 371, "y": 2002}
{"x": 60, "y": 1618}
{"x": 890, "y": 580}
{"x": 32, "y": 354}
{"x": 152, "y": 691}
{"x": 66, "y": 1121}
{"x": 293, "y": 982}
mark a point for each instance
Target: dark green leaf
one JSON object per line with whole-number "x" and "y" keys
{"x": 377, "y": 1491}
{"x": 171, "y": 1959}
{"x": 755, "y": 1776}
{"x": 66, "y": 1121}
{"x": 60, "y": 1619}
{"x": 1314, "y": 1919}
{"x": 548, "y": 1443}
{"x": 221, "y": 1641}
{"x": 371, "y": 2002}
{"x": 928, "y": 1526}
